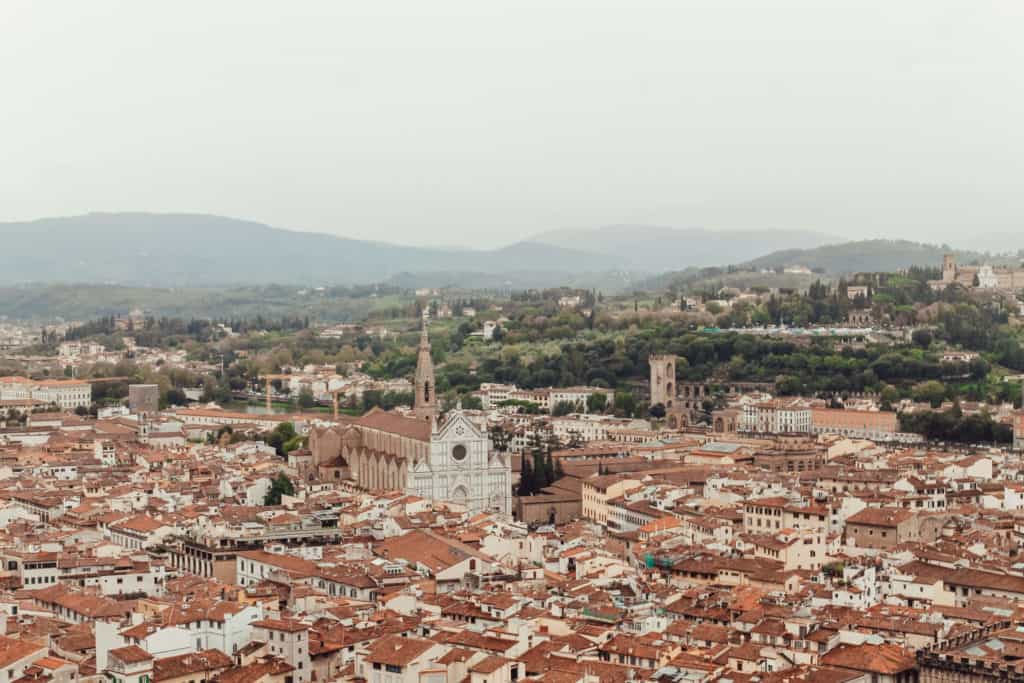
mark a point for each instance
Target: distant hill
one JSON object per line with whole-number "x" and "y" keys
{"x": 653, "y": 248}
{"x": 169, "y": 250}
{"x": 863, "y": 256}
{"x": 828, "y": 261}
{"x": 196, "y": 250}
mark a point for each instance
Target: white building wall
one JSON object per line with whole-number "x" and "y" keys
{"x": 472, "y": 479}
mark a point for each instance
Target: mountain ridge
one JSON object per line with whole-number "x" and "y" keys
{"x": 659, "y": 248}
{"x": 201, "y": 250}
{"x": 158, "y": 249}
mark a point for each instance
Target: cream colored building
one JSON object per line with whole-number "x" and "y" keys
{"x": 597, "y": 491}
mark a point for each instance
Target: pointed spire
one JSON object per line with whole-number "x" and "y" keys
{"x": 424, "y": 403}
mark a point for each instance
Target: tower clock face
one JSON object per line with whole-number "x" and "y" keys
{"x": 459, "y": 453}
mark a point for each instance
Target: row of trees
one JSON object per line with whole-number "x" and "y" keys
{"x": 955, "y": 427}
{"x": 539, "y": 469}
{"x": 171, "y": 331}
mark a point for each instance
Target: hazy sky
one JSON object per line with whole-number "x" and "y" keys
{"x": 482, "y": 122}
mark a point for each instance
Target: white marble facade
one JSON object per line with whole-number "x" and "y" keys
{"x": 462, "y": 468}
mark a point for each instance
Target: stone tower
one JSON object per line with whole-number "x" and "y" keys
{"x": 424, "y": 404}
{"x": 948, "y": 268}
{"x": 663, "y": 380}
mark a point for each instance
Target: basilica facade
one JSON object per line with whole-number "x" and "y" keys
{"x": 439, "y": 457}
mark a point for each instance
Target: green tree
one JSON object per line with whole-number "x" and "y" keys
{"x": 932, "y": 391}
{"x": 306, "y": 399}
{"x": 525, "y": 479}
{"x": 597, "y": 402}
{"x": 890, "y": 396}
{"x": 922, "y": 338}
{"x": 564, "y": 408}
{"x": 539, "y": 477}
{"x": 282, "y": 436}
{"x": 275, "y": 441}
{"x": 176, "y": 397}
{"x": 470, "y": 402}
{"x": 625, "y": 404}
{"x": 549, "y": 470}
{"x": 280, "y": 486}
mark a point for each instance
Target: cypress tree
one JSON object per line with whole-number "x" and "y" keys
{"x": 539, "y": 472}
{"x": 525, "y": 478}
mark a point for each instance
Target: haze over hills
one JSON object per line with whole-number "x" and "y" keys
{"x": 654, "y": 248}
{"x": 991, "y": 242}
{"x": 195, "y": 250}
{"x": 199, "y": 250}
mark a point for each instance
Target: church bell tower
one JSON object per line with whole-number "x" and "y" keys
{"x": 424, "y": 403}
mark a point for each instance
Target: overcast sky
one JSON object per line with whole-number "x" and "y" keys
{"x": 478, "y": 123}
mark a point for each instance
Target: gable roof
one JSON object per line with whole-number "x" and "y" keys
{"x": 397, "y": 650}
{"x": 428, "y": 549}
{"x": 392, "y": 423}
{"x": 885, "y": 517}
{"x": 14, "y": 650}
{"x": 193, "y": 662}
{"x": 882, "y": 659}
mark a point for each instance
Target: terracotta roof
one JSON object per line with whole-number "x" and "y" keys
{"x": 14, "y": 650}
{"x": 141, "y": 523}
{"x": 428, "y": 549}
{"x": 286, "y": 625}
{"x": 488, "y": 665}
{"x": 292, "y": 565}
{"x": 397, "y": 650}
{"x": 392, "y": 423}
{"x": 887, "y": 517}
{"x": 206, "y": 661}
{"x": 131, "y": 654}
{"x": 882, "y": 659}
{"x": 52, "y": 662}
{"x": 253, "y": 673}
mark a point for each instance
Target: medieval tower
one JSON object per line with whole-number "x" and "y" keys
{"x": 424, "y": 404}
{"x": 948, "y": 268}
{"x": 663, "y": 380}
